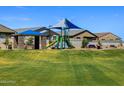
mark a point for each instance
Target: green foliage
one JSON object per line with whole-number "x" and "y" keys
{"x": 121, "y": 43}
{"x": 6, "y": 41}
{"x": 65, "y": 68}
{"x": 85, "y": 41}
{"x": 99, "y": 43}
{"x": 29, "y": 41}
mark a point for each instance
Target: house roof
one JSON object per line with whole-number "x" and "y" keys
{"x": 4, "y": 29}
{"x": 65, "y": 23}
{"x": 75, "y": 32}
{"x": 34, "y": 31}
{"x": 104, "y": 34}
{"x": 30, "y": 28}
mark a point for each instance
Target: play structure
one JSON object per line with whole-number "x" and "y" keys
{"x": 42, "y": 38}
{"x": 62, "y": 41}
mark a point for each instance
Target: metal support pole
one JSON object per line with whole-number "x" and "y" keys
{"x": 61, "y": 41}
{"x": 64, "y": 37}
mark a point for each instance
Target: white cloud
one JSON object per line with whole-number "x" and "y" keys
{"x": 25, "y": 19}
{"x": 15, "y": 18}
{"x": 21, "y": 7}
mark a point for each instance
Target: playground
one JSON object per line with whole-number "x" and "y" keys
{"x": 43, "y": 39}
{"x": 65, "y": 67}
{"x": 59, "y": 62}
{"x": 63, "y": 35}
{"x": 61, "y": 41}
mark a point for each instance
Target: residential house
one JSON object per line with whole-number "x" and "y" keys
{"x": 109, "y": 40}
{"x": 5, "y": 33}
{"x": 77, "y": 36}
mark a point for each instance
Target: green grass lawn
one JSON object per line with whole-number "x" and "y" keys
{"x": 62, "y": 67}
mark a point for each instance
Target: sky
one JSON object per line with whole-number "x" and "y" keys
{"x": 92, "y": 18}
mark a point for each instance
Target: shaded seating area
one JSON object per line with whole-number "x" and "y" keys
{"x": 19, "y": 39}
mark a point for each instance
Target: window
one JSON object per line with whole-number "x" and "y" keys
{"x": 54, "y": 37}
{"x": 111, "y": 39}
{"x": 103, "y": 39}
{"x": 78, "y": 37}
{"x": 117, "y": 38}
{"x": 2, "y": 35}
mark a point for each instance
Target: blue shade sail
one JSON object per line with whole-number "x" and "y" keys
{"x": 65, "y": 23}
{"x": 31, "y": 33}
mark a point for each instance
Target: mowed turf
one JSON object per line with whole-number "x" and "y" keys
{"x": 62, "y": 67}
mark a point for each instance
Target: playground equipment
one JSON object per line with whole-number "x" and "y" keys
{"x": 62, "y": 41}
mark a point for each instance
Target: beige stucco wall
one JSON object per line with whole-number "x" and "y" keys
{"x": 2, "y": 45}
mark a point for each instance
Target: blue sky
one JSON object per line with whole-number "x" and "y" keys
{"x": 95, "y": 19}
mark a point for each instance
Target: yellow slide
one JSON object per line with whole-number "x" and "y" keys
{"x": 51, "y": 44}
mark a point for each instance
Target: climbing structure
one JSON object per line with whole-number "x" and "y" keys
{"x": 63, "y": 41}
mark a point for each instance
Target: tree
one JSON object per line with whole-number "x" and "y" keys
{"x": 29, "y": 41}
{"x": 99, "y": 43}
{"x": 6, "y": 41}
{"x": 85, "y": 41}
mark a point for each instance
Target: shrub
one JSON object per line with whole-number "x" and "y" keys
{"x": 99, "y": 43}
{"x": 85, "y": 41}
{"x": 29, "y": 41}
{"x": 6, "y": 42}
